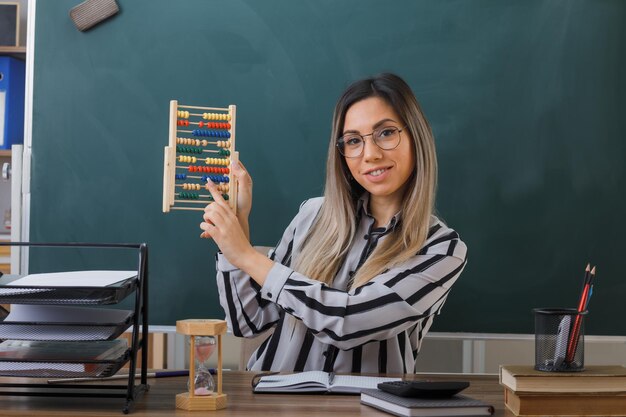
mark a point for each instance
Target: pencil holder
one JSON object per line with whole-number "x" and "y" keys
{"x": 559, "y": 339}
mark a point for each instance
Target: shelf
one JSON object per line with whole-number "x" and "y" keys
{"x": 18, "y": 52}
{"x": 5, "y": 152}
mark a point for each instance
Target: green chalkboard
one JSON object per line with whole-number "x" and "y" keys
{"x": 526, "y": 99}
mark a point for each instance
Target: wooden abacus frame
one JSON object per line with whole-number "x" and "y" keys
{"x": 229, "y": 115}
{"x": 199, "y": 327}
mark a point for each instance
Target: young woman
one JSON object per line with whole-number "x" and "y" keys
{"x": 359, "y": 274}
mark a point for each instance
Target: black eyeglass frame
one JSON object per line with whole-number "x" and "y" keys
{"x": 340, "y": 140}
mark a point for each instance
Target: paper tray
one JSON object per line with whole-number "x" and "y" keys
{"x": 100, "y": 369}
{"x": 53, "y": 358}
{"x": 112, "y": 294}
{"x": 64, "y": 331}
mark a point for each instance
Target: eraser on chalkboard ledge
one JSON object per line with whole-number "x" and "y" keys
{"x": 91, "y": 12}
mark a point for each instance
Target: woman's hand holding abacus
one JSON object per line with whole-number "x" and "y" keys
{"x": 230, "y": 231}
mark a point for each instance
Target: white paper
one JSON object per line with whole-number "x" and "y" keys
{"x": 356, "y": 383}
{"x": 73, "y": 279}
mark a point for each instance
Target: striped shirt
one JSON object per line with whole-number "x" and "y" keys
{"x": 375, "y": 328}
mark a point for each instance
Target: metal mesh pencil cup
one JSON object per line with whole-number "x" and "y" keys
{"x": 559, "y": 339}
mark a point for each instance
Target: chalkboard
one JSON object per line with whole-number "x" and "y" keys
{"x": 526, "y": 99}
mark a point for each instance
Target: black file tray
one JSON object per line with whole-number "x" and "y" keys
{"x": 30, "y": 330}
{"x": 44, "y": 367}
{"x": 111, "y": 294}
{"x": 40, "y": 368}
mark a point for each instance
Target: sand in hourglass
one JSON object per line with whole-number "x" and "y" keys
{"x": 204, "y": 384}
{"x": 204, "y": 351}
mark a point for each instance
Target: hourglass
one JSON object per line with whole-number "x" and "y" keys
{"x": 202, "y": 393}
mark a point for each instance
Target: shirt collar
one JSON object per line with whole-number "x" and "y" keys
{"x": 364, "y": 207}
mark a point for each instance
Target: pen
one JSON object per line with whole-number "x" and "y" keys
{"x": 584, "y": 299}
{"x": 160, "y": 374}
{"x": 331, "y": 378}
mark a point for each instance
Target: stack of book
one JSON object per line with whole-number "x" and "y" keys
{"x": 596, "y": 391}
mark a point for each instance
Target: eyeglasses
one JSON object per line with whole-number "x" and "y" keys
{"x": 387, "y": 138}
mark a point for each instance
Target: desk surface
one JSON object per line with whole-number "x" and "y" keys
{"x": 160, "y": 400}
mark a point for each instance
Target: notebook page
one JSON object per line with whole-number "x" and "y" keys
{"x": 356, "y": 383}
{"x": 312, "y": 379}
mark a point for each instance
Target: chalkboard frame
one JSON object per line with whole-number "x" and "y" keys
{"x": 526, "y": 111}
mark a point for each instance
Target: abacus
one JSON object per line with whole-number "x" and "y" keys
{"x": 201, "y": 147}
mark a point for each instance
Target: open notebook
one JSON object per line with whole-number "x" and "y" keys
{"x": 318, "y": 381}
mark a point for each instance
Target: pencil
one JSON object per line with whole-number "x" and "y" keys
{"x": 160, "y": 374}
{"x": 582, "y": 304}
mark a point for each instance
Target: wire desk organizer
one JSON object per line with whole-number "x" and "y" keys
{"x": 65, "y": 356}
{"x": 201, "y": 147}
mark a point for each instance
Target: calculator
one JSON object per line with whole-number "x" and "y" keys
{"x": 423, "y": 389}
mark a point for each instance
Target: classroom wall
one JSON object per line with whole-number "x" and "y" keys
{"x": 525, "y": 99}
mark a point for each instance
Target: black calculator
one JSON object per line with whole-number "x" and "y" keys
{"x": 423, "y": 389}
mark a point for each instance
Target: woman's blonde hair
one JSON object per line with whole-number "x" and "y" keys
{"x": 327, "y": 242}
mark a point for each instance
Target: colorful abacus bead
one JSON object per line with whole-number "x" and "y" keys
{"x": 188, "y": 186}
{"x": 188, "y": 195}
{"x": 185, "y": 158}
{"x": 188, "y": 149}
{"x": 210, "y": 133}
{"x": 217, "y": 161}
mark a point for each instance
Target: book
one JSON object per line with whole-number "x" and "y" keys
{"x": 585, "y": 404}
{"x": 457, "y": 405}
{"x": 520, "y": 378}
{"x": 318, "y": 381}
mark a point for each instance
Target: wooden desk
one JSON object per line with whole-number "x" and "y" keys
{"x": 159, "y": 401}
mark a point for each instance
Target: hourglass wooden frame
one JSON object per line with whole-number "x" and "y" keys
{"x": 201, "y": 327}
{"x": 201, "y": 144}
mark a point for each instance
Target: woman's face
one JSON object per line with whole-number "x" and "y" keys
{"x": 384, "y": 173}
